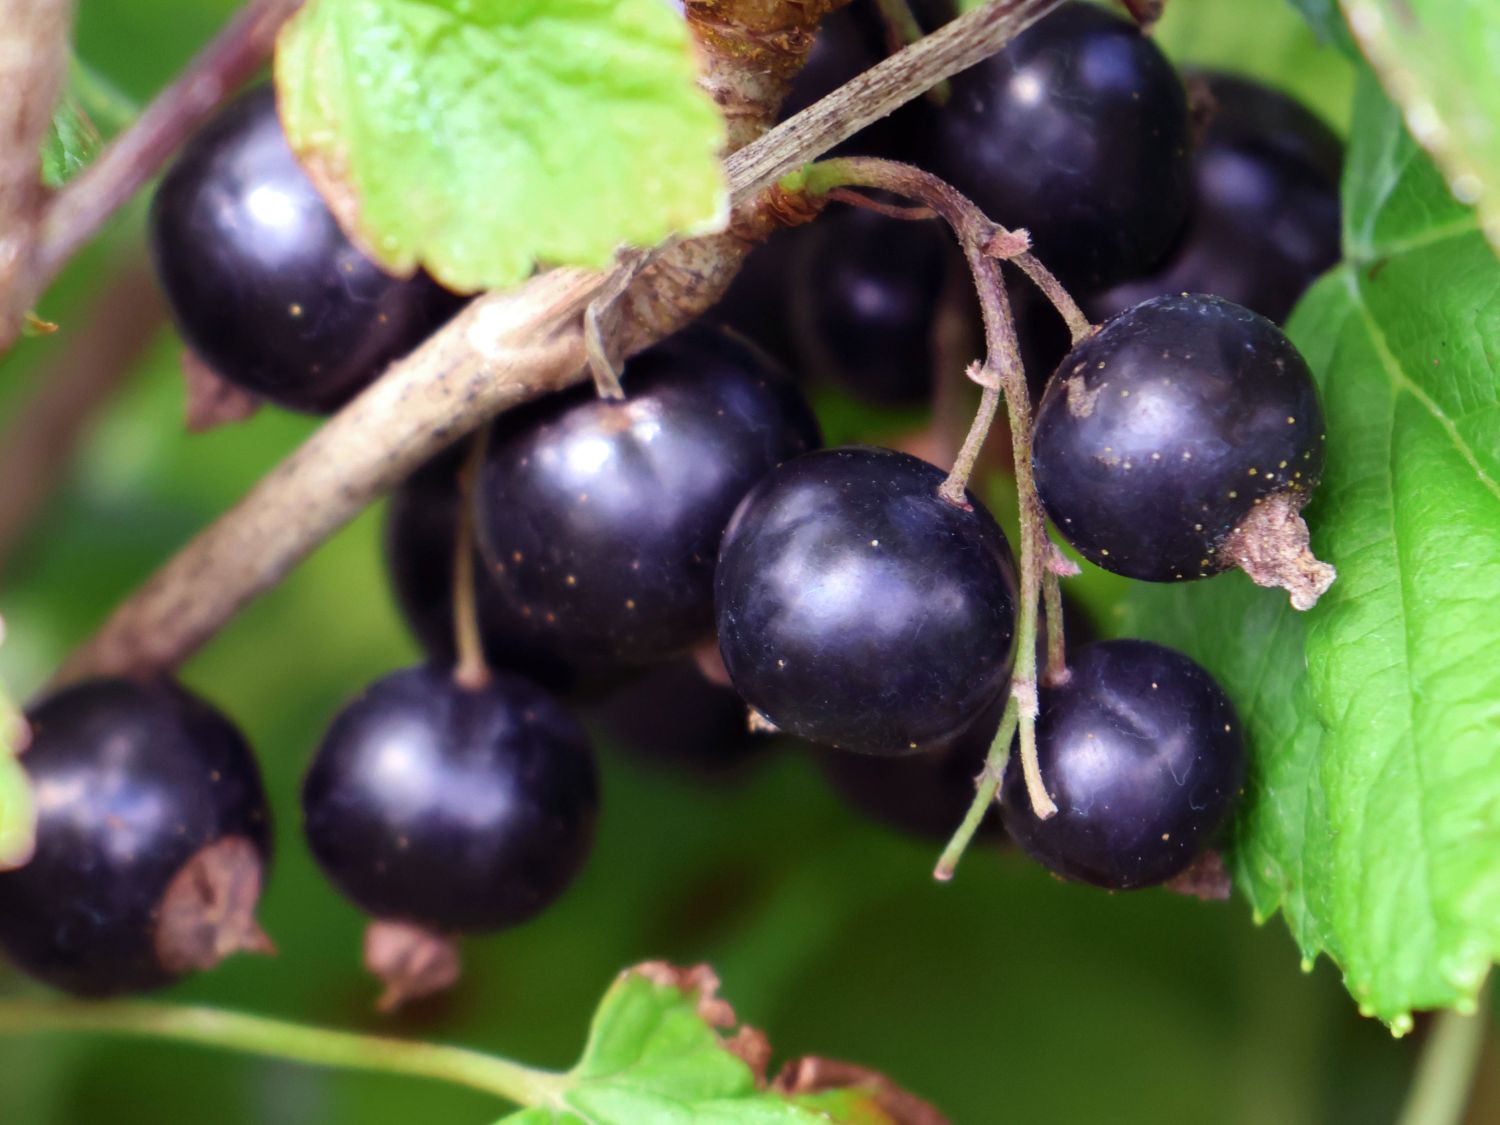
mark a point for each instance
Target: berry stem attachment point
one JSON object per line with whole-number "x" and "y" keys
{"x": 986, "y": 787}
{"x": 1079, "y": 327}
{"x": 470, "y": 670}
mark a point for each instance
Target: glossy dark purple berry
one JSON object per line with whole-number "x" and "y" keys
{"x": 1144, "y": 756}
{"x": 866, "y": 295}
{"x": 420, "y": 534}
{"x": 458, "y": 809}
{"x": 601, "y": 520}
{"x": 859, "y": 609}
{"x": 1078, "y": 131}
{"x": 1265, "y": 216}
{"x": 152, "y": 840}
{"x": 1159, "y": 436}
{"x": 263, "y": 285}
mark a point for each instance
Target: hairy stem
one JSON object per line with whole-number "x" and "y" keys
{"x": 77, "y": 212}
{"x": 1444, "y": 1077}
{"x": 470, "y": 670}
{"x": 279, "y": 1039}
{"x": 1056, "y": 672}
{"x": 980, "y": 238}
{"x": 988, "y": 785}
{"x": 1044, "y": 279}
{"x": 504, "y": 349}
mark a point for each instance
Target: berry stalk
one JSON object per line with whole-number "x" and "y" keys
{"x": 986, "y": 788}
{"x": 470, "y": 670}
{"x": 983, "y": 243}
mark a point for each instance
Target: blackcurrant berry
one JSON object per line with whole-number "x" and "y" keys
{"x": 1265, "y": 217}
{"x": 601, "y": 520}
{"x": 866, "y": 294}
{"x": 1078, "y": 131}
{"x": 152, "y": 839}
{"x": 859, "y": 609}
{"x": 420, "y": 534}
{"x": 756, "y": 304}
{"x": 262, "y": 283}
{"x": 1181, "y": 439}
{"x": 1143, "y": 754}
{"x": 459, "y": 809}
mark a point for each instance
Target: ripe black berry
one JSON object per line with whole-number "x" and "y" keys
{"x": 1163, "y": 434}
{"x": 865, "y": 299}
{"x": 262, "y": 283}
{"x": 152, "y": 837}
{"x": 1265, "y": 217}
{"x": 756, "y": 302}
{"x": 601, "y": 520}
{"x": 1079, "y": 132}
{"x": 1143, "y": 754}
{"x": 420, "y": 533}
{"x": 859, "y": 609}
{"x": 455, "y": 808}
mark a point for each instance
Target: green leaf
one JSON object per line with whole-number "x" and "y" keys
{"x": 71, "y": 143}
{"x": 656, "y": 1053}
{"x": 478, "y": 138}
{"x": 1372, "y": 815}
{"x": 1438, "y": 59}
{"x": 1328, "y": 23}
{"x": 17, "y": 811}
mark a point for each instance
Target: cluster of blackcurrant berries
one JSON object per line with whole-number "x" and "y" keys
{"x": 697, "y": 529}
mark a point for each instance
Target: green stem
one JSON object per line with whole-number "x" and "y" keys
{"x": 1056, "y": 671}
{"x": 1444, "y": 1078}
{"x": 984, "y": 794}
{"x": 278, "y": 1039}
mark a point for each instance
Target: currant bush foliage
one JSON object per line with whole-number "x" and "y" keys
{"x": 1372, "y": 817}
{"x": 654, "y": 1053}
{"x": 480, "y": 137}
{"x": 1431, "y": 56}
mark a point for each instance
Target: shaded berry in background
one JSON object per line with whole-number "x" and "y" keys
{"x": 866, "y": 293}
{"x": 1265, "y": 217}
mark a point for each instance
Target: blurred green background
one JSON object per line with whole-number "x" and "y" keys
{"x": 1003, "y": 997}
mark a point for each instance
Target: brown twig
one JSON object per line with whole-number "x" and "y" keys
{"x": 78, "y": 212}
{"x": 101, "y": 346}
{"x": 33, "y": 59}
{"x": 503, "y": 349}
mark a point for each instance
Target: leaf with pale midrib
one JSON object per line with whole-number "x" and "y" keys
{"x": 479, "y": 138}
{"x": 1372, "y": 816}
